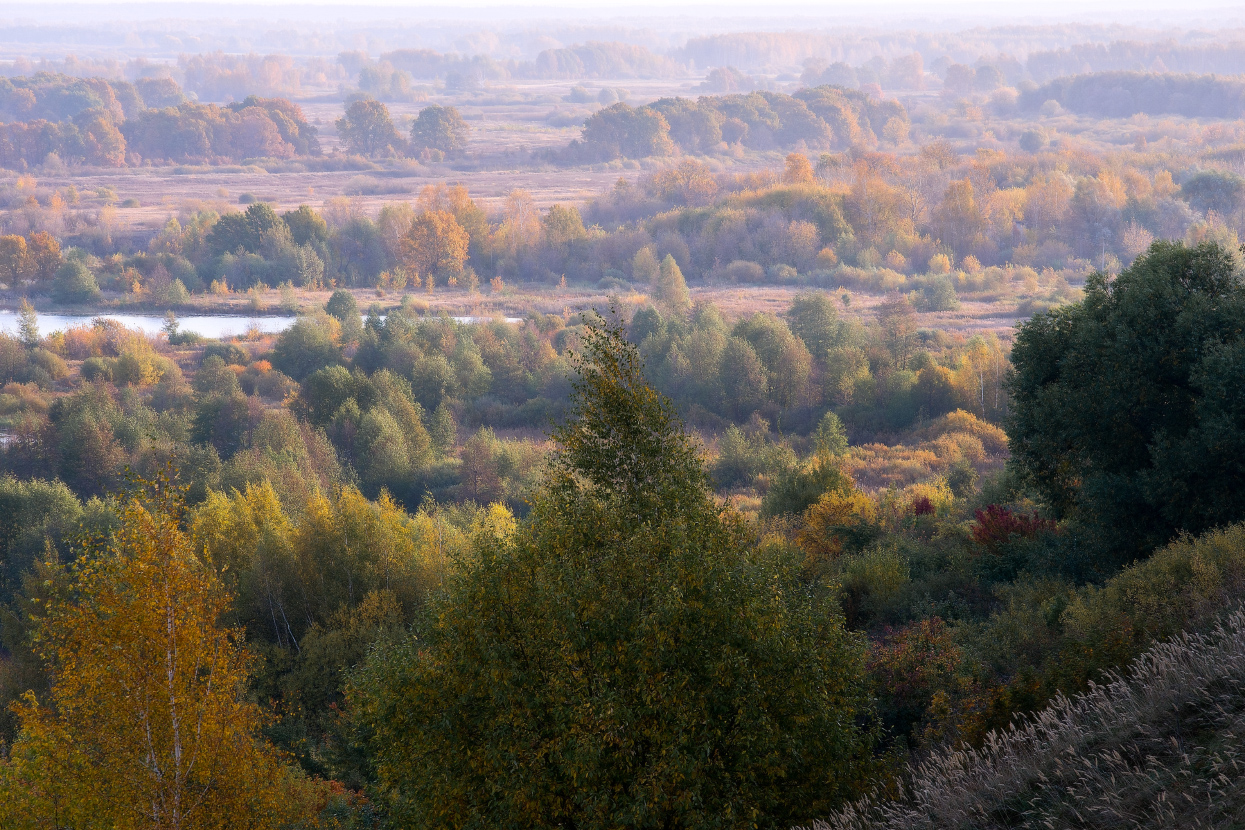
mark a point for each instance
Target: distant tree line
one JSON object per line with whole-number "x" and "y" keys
{"x": 115, "y": 123}
{"x": 1132, "y": 55}
{"x": 1122, "y": 94}
{"x": 823, "y": 117}
{"x": 933, "y": 225}
{"x": 584, "y": 60}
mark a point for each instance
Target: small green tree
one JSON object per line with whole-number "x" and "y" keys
{"x": 1032, "y": 140}
{"x": 74, "y": 283}
{"x": 830, "y": 439}
{"x": 306, "y": 227}
{"x": 440, "y": 128}
{"x": 367, "y": 129}
{"x": 254, "y": 231}
{"x": 814, "y": 319}
{"x": 343, "y": 308}
{"x": 28, "y": 325}
{"x": 306, "y": 346}
{"x": 625, "y": 658}
{"x": 644, "y": 266}
{"x": 670, "y": 289}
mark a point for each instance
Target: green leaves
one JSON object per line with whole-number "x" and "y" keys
{"x": 1126, "y": 406}
{"x": 625, "y": 658}
{"x": 622, "y": 436}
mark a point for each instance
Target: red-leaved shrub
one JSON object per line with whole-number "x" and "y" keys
{"x": 996, "y": 525}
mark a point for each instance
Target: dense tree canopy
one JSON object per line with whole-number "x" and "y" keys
{"x": 1128, "y": 408}
{"x": 616, "y": 661}
{"x": 147, "y": 722}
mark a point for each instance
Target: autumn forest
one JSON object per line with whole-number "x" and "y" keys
{"x": 620, "y": 421}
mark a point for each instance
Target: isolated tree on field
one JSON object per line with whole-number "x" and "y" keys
{"x": 147, "y": 723}
{"x": 435, "y": 244}
{"x": 440, "y": 128}
{"x": 670, "y": 289}
{"x": 622, "y": 659}
{"x": 367, "y": 129}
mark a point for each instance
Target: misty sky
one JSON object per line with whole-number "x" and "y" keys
{"x": 1123, "y": 11}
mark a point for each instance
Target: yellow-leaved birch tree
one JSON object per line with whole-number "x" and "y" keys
{"x": 146, "y": 724}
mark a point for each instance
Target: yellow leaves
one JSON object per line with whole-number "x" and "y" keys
{"x": 436, "y": 243}
{"x": 821, "y": 536}
{"x": 798, "y": 170}
{"x": 1004, "y": 209}
{"x": 294, "y": 570}
{"x": 1047, "y": 200}
{"x": 934, "y": 494}
{"x": 147, "y": 722}
{"x": 690, "y": 183}
{"x": 15, "y": 260}
{"x": 233, "y": 530}
{"x": 495, "y": 521}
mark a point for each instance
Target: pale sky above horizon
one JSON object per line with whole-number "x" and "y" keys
{"x": 1125, "y": 10}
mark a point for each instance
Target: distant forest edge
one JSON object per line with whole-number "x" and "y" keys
{"x": 1123, "y": 94}
{"x": 116, "y": 123}
{"x": 1020, "y": 54}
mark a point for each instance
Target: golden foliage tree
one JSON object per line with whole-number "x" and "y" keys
{"x": 14, "y": 259}
{"x": 798, "y": 170}
{"x": 521, "y": 227}
{"x": 834, "y": 516}
{"x": 146, "y": 724}
{"x": 44, "y": 252}
{"x": 435, "y": 244}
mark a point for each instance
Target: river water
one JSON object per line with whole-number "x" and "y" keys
{"x": 205, "y": 325}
